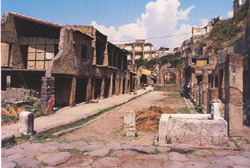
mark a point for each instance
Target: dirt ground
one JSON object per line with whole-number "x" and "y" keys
{"x": 109, "y": 127}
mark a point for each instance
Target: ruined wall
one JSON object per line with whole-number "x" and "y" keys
{"x": 234, "y": 94}
{"x": 68, "y": 60}
{"x": 83, "y": 64}
{"x": 64, "y": 62}
{"x": 9, "y": 35}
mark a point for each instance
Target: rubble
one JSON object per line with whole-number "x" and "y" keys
{"x": 148, "y": 118}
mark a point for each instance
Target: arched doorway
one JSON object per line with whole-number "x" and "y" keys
{"x": 169, "y": 78}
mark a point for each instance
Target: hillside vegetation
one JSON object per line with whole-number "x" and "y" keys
{"x": 225, "y": 32}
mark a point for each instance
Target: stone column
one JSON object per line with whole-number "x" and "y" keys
{"x": 48, "y": 94}
{"x": 192, "y": 87}
{"x": 116, "y": 86}
{"x": 204, "y": 90}
{"x": 195, "y": 92}
{"x": 121, "y": 84}
{"x": 200, "y": 94}
{"x": 88, "y": 94}
{"x": 73, "y": 92}
{"x": 129, "y": 85}
{"x": 178, "y": 79}
{"x": 111, "y": 85}
{"x": 102, "y": 89}
{"x": 234, "y": 94}
{"x": 126, "y": 84}
{"x": 26, "y": 123}
{"x": 93, "y": 89}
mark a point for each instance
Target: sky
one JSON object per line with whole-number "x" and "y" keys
{"x": 164, "y": 23}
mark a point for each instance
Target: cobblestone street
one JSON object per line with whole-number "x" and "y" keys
{"x": 101, "y": 144}
{"x": 99, "y": 155}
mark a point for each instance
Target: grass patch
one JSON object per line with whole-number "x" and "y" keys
{"x": 236, "y": 144}
{"x": 70, "y": 150}
{"x": 168, "y": 151}
{"x": 198, "y": 109}
{"x": 8, "y": 144}
{"x": 43, "y": 164}
{"x": 8, "y": 119}
{"x": 173, "y": 95}
{"x": 157, "y": 152}
{"x": 184, "y": 110}
{"x": 110, "y": 154}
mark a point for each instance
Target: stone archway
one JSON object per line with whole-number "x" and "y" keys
{"x": 164, "y": 71}
{"x": 169, "y": 78}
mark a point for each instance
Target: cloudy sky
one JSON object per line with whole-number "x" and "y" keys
{"x": 163, "y": 22}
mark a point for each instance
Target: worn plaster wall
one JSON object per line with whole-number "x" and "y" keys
{"x": 9, "y": 35}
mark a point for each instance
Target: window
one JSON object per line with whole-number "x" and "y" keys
{"x": 37, "y": 52}
{"x": 84, "y": 52}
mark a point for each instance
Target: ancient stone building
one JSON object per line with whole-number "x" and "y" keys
{"x": 65, "y": 65}
{"x": 163, "y": 52}
{"x": 138, "y": 50}
{"x": 198, "y": 33}
{"x": 221, "y": 76}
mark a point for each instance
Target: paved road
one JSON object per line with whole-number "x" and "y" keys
{"x": 99, "y": 155}
{"x": 109, "y": 127}
{"x": 69, "y": 115}
{"x": 101, "y": 145}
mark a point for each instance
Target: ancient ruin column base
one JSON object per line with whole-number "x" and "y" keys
{"x": 47, "y": 94}
{"x": 26, "y": 123}
{"x": 130, "y": 123}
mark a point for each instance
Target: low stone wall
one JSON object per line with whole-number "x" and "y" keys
{"x": 13, "y": 95}
{"x": 196, "y": 129}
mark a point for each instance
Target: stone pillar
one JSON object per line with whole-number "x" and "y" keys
{"x": 204, "y": 90}
{"x": 111, "y": 85}
{"x": 126, "y": 84}
{"x": 26, "y": 123}
{"x": 234, "y": 94}
{"x": 200, "y": 94}
{"x": 130, "y": 123}
{"x": 121, "y": 84}
{"x": 193, "y": 81}
{"x": 102, "y": 89}
{"x": 88, "y": 94}
{"x": 48, "y": 94}
{"x": 117, "y": 86}
{"x": 73, "y": 92}
{"x": 178, "y": 79}
{"x": 93, "y": 89}
{"x": 194, "y": 94}
{"x": 129, "y": 85}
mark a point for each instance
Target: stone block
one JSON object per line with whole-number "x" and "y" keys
{"x": 215, "y": 110}
{"x": 130, "y": 123}
{"x": 26, "y": 123}
{"x": 193, "y": 129}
